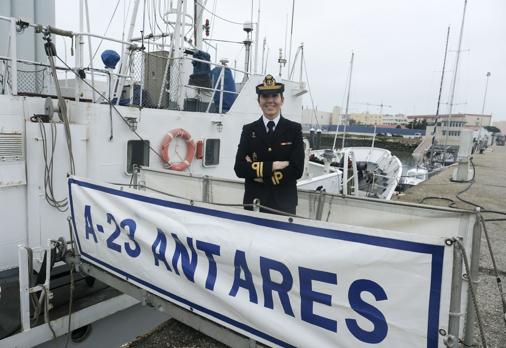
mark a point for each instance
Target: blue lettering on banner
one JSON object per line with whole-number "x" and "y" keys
{"x": 89, "y": 224}
{"x": 247, "y": 282}
{"x": 160, "y": 243}
{"x": 132, "y": 226}
{"x": 368, "y": 311}
{"x": 266, "y": 266}
{"x": 308, "y": 296}
{"x": 210, "y": 250}
{"x": 110, "y": 241}
{"x": 181, "y": 252}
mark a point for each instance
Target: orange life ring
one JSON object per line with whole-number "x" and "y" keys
{"x": 190, "y": 149}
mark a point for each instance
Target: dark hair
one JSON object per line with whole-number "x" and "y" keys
{"x": 281, "y": 94}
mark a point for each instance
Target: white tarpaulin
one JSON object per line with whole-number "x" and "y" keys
{"x": 286, "y": 283}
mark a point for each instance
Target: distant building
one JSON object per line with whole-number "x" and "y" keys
{"x": 395, "y": 120}
{"x": 321, "y": 119}
{"x": 468, "y": 119}
{"x": 366, "y": 118}
{"x": 449, "y": 128}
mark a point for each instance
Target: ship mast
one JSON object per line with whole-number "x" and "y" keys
{"x": 345, "y": 121}
{"x": 454, "y": 80}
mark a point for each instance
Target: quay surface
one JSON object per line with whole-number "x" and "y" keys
{"x": 488, "y": 190}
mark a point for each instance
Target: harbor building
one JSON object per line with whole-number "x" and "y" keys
{"x": 453, "y": 125}
{"x": 321, "y": 119}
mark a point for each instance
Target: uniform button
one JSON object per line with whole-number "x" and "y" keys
{"x": 269, "y": 149}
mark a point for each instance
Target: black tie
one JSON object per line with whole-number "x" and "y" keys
{"x": 270, "y": 126}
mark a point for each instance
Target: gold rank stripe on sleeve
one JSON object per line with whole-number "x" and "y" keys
{"x": 276, "y": 177}
{"x": 258, "y": 167}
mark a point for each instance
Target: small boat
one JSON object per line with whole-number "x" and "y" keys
{"x": 371, "y": 172}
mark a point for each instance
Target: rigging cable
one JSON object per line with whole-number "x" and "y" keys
{"x": 111, "y": 104}
{"x": 105, "y": 33}
{"x": 310, "y": 94}
{"x": 217, "y": 16}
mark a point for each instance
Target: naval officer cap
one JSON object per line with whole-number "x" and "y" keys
{"x": 270, "y": 86}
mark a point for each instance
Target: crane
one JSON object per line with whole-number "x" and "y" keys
{"x": 381, "y": 106}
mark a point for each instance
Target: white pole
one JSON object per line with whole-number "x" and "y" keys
{"x": 89, "y": 49}
{"x": 222, "y": 78}
{"x": 374, "y": 136}
{"x": 291, "y": 37}
{"x": 14, "y": 58}
{"x": 120, "y": 81}
{"x": 79, "y": 50}
{"x": 256, "y": 38}
{"x": 454, "y": 80}
{"x": 263, "y": 55}
{"x": 485, "y": 95}
{"x": 348, "y": 99}
{"x": 301, "y": 61}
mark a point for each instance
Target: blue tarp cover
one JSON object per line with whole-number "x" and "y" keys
{"x": 229, "y": 85}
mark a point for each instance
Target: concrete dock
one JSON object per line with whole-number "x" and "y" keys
{"x": 488, "y": 190}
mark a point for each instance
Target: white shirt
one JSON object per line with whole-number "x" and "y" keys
{"x": 266, "y": 120}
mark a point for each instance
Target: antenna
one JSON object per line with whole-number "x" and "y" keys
{"x": 281, "y": 61}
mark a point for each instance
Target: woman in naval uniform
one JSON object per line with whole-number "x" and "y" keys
{"x": 270, "y": 155}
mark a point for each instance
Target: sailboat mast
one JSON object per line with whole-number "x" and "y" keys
{"x": 442, "y": 75}
{"x": 348, "y": 99}
{"x": 454, "y": 80}
{"x": 439, "y": 97}
{"x": 291, "y": 38}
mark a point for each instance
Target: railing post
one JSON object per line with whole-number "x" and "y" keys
{"x": 321, "y": 203}
{"x": 205, "y": 188}
{"x": 24, "y": 287}
{"x": 222, "y": 78}
{"x": 473, "y": 279}
{"x": 452, "y": 339}
{"x": 256, "y": 205}
{"x": 78, "y": 65}
{"x": 14, "y": 58}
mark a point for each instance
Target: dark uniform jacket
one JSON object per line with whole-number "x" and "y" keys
{"x": 276, "y": 189}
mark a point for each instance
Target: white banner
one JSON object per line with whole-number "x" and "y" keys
{"x": 284, "y": 283}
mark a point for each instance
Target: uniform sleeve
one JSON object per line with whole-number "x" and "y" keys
{"x": 249, "y": 170}
{"x": 296, "y": 167}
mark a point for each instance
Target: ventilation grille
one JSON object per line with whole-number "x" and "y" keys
{"x": 11, "y": 147}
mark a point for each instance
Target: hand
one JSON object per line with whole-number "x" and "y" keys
{"x": 248, "y": 159}
{"x": 278, "y": 165}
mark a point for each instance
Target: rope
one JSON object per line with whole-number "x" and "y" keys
{"x": 471, "y": 289}
{"x": 244, "y": 205}
{"x": 60, "y": 204}
{"x": 310, "y": 94}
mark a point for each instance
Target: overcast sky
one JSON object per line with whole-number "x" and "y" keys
{"x": 398, "y": 45}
